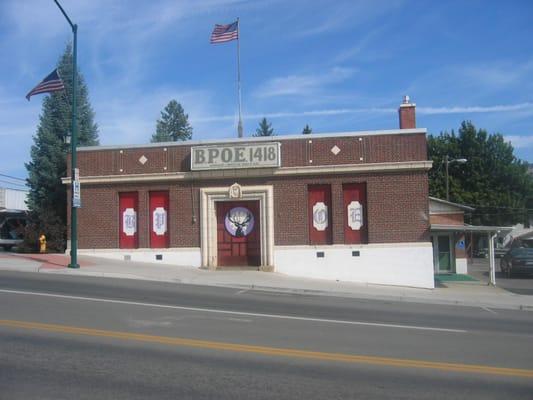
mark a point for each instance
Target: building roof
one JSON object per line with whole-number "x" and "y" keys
{"x": 451, "y": 204}
{"x": 469, "y": 228}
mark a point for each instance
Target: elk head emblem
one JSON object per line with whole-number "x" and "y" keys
{"x": 241, "y": 220}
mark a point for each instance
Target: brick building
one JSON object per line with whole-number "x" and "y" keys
{"x": 348, "y": 206}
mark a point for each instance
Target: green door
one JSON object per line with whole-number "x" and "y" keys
{"x": 443, "y": 246}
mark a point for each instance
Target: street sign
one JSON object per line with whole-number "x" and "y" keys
{"x": 76, "y": 198}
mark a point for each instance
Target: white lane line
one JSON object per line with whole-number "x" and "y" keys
{"x": 489, "y": 310}
{"x": 242, "y": 291}
{"x": 239, "y": 320}
{"x": 241, "y": 313}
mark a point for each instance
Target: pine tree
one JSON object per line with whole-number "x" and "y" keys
{"x": 265, "y": 129}
{"x": 307, "y": 130}
{"x": 47, "y": 199}
{"x": 173, "y": 124}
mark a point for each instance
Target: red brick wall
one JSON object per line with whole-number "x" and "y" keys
{"x": 397, "y": 209}
{"x": 447, "y": 219}
{"x": 294, "y": 153}
{"x": 407, "y": 117}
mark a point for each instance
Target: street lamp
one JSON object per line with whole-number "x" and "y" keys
{"x": 447, "y": 161}
{"x": 73, "y": 145}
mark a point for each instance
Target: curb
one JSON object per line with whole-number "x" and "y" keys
{"x": 297, "y": 291}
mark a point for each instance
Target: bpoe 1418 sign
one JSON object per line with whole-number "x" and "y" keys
{"x": 251, "y": 155}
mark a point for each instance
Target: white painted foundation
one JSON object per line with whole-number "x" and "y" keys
{"x": 399, "y": 264}
{"x": 461, "y": 266}
{"x": 186, "y": 257}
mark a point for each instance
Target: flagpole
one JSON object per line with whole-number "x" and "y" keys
{"x": 239, "y": 127}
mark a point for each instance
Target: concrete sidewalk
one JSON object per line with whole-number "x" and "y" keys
{"x": 475, "y": 293}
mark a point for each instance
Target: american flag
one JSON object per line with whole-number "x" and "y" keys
{"x": 225, "y": 33}
{"x": 52, "y": 83}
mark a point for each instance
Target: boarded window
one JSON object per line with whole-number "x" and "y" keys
{"x": 158, "y": 216}
{"x": 355, "y": 215}
{"x": 319, "y": 210}
{"x": 128, "y": 220}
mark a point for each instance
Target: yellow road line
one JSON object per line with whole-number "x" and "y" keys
{"x": 272, "y": 351}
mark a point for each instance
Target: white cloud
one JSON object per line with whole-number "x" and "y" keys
{"x": 293, "y": 114}
{"x": 499, "y": 74}
{"x": 295, "y": 85}
{"x": 520, "y": 142}
{"x": 375, "y": 110}
{"x": 131, "y": 117}
{"x": 335, "y": 16}
{"x": 363, "y": 47}
{"x": 475, "y": 109}
{"x": 18, "y": 120}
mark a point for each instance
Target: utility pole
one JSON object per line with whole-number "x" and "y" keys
{"x": 73, "y": 146}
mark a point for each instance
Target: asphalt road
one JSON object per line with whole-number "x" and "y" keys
{"x": 80, "y": 337}
{"x": 518, "y": 283}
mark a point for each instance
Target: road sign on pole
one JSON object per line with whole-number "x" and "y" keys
{"x": 76, "y": 195}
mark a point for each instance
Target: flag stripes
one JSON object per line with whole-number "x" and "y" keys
{"x": 225, "y": 33}
{"x": 52, "y": 83}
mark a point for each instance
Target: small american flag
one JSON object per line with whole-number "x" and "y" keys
{"x": 225, "y": 33}
{"x": 52, "y": 83}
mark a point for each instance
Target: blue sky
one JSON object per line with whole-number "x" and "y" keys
{"x": 335, "y": 65}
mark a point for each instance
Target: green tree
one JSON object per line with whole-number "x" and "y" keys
{"x": 307, "y": 130}
{"x": 173, "y": 124}
{"x": 492, "y": 180}
{"x": 265, "y": 129}
{"x": 47, "y": 199}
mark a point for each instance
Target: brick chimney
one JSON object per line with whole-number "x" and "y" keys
{"x": 407, "y": 114}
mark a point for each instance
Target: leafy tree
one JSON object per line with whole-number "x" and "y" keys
{"x": 265, "y": 129}
{"x": 307, "y": 130}
{"x": 47, "y": 199}
{"x": 173, "y": 124}
{"x": 492, "y": 180}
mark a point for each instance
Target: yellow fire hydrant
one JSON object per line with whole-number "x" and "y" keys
{"x": 42, "y": 243}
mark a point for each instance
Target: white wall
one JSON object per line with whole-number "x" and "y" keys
{"x": 406, "y": 264}
{"x": 189, "y": 257}
{"x": 461, "y": 266}
{"x": 13, "y": 199}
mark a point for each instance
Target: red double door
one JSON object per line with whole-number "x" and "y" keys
{"x": 238, "y": 233}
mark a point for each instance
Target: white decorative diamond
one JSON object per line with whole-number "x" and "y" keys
{"x": 335, "y": 150}
{"x": 143, "y": 160}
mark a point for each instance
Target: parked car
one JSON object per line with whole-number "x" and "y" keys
{"x": 500, "y": 252}
{"x": 519, "y": 257}
{"x": 12, "y": 223}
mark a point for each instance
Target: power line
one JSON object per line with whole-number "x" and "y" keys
{"x": 13, "y": 183}
{"x": 13, "y": 177}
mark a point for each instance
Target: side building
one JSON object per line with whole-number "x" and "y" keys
{"x": 13, "y": 217}
{"x": 343, "y": 206}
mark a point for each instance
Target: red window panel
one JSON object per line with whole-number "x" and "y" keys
{"x": 159, "y": 236}
{"x": 319, "y": 210}
{"x": 355, "y": 215}
{"x": 128, "y": 220}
